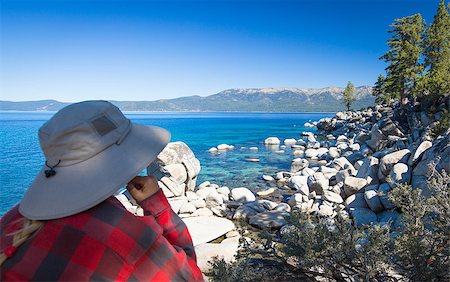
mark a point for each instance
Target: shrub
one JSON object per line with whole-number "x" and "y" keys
{"x": 312, "y": 248}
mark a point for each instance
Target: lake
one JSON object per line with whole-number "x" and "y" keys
{"x": 21, "y": 157}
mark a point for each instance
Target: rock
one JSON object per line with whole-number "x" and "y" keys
{"x": 300, "y": 183}
{"x": 322, "y": 152}
{"x": 318, "y": 183}
{"x": 268, "y": 178}
{"x": 363, "y": 216}
{"x": 203, "y": 212}
{"x": 199, "y": 203}
{"x": 295, "y": 200}
{"x": 425, "y": 145}
{"x": 332, "y": 197}
{"x": 400, "y": 173}
{"x": 290, "y": 141}
{"x": 272, "y": 141}
{"x": 212, "y": 150}
{"x": 298, "y": 164}
{"x": 224, "y": 190}
{"x": 254, "y": 148}
{"x": 328, "y": 172}
{"x": 266, "y": 192}
{"x": 244, "y": 212}
{"x": 213, "y": 199}
{"x": 384, "y": 189}
{"x": 325, "y": 210}
{"x": 436, "y": 156}
{"x": 342, "y": 163}
{"x": 191, "y": 196}
{"x": 242, "y": 195}
{"x": 369, "y": 170}
{"x": 177, "y": 189}
{"x": 388, "y": 127}
{"x": 353, "y": 185}
{"x": 187, "y": 208}
{"x": 252, "y": 160}
{"x": 177, "y": 172}
{"x": 206, "y": 252}
{"x": 282, "y": 207}
{"x": 269, "y": 219}
{"x": 223, "y": 147}
{"x": 334, "y": 153}
{"x": 177, "y": 202}
{"x": 389, "y": 160}
{"x": 311, "y": 153}
{"x": 341, "y": 175}
{"x": 308, "y": 171}
{"x": 298, "y": 153}
{"x": 387, "y": 217}
{"x": 356, "y": 201}
{"x": 372, "y": 199}
{"x": 204, "y": 185}
{"x": 377, "y": 139}
{"x": 421, "y": 182}
{"x": 205, "y": 229}
{"x": 202, "y": 193}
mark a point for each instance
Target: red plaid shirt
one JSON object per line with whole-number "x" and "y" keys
{"x": 105, "y": 242}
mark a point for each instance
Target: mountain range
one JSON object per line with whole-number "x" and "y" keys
{"x": 253, "y": 99}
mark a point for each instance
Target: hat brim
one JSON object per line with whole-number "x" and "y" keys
{"x": 79, "y": 187}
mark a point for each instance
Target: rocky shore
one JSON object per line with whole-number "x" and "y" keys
{"x": 346, "y": 168}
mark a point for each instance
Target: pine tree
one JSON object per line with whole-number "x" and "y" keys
{"x": 349, "y": 94}
{"x": 437, "y": 54}
{"x": 379, "y": 91}
{"x": 404, "y": 56}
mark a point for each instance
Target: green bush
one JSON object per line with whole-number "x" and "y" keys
{"x": 313, "y": 249}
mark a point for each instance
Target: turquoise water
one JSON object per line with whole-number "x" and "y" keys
{"x": 21, "y": 157}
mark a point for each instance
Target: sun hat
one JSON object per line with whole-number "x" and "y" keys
{"x": 91, "y": 150}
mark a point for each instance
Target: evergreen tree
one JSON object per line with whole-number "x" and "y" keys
{"x": 349, "y": 94}
{"x": 437, "y": 54}
{"x": 404, "y": 56}
{"x": 379, "y": 91}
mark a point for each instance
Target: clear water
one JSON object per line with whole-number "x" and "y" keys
{"x": 21, "y": 157}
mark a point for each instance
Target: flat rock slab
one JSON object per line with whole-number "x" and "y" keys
{"x": 226, "y": 250}
{"x": 204, "y": 229}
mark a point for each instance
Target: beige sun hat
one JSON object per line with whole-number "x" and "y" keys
{"x": 91, "y": 150}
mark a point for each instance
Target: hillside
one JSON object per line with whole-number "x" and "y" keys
{"x": 253, "y": 99}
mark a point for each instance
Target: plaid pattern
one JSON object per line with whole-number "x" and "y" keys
{"x": 102, "y": 244}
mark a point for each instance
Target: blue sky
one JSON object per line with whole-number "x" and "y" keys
{"x": 147, "y": 50}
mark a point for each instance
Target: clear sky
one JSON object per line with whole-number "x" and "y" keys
{"x": 147, "y": 50}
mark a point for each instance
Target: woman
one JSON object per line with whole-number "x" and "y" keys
{"x": 68, "y": 225}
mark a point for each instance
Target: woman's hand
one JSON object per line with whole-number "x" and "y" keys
{"x": 142, "y": 187}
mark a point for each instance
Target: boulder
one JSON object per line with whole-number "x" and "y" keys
{"x": 328, "y": 172}
{"x": 417, "y": 154}
{"x": 206, "y": 252}
{"x": 203, "y": 212}
{"x": 177, "y": 189}
{"x": 369, "y": 170}
{"x": 387, "y": 217}
{"x": 436, "y": 156}
{"x": 421, "y": 182}
{"x": 377, "y": 139}
{"x": 332, "y": 197}
{"x": 283, "y": 207}
{"x": 176, "y": 171}
{"x": 187, "y": 208}
{"x": 295, "y": 200}
{"x": 212, "y": 150}
{"x": 177, "y": 202}
{"x": 300, "y": 183}
{"x": 290, "y": 141}
{"x": 363, "y": 216}
{"x": 318, "y": 183}
{"x": 342, "y": 175}
{"x": 389, "y": 160}
{"x": 334, "y": 153}
{"x": 356, "y": 201}
{"x": 266, "y": 192}
{"x": 242, "y": 195}
{"x": 272, "y": 141}
{"x": 213, "y": 199}
{"x": 400, "y": 174}
{"x": 325, "y": 210}
{"x": 269, "y": 219}
{"x": 223, "y": 147}
{"x": 298, "y": 164}
{"x": 199, "y": 203}
{"x": 384, "y": 189}
{"x": 244, "y": 212}
{"x": 343, "y": 163}
{"x": 311, "y": 153}
{"x": 268, "y": 178}
{"x": 205, "y": 229}
{"x": 353, "y": 185}
{"x": 203, "y": 193}
{"x": 224, "y": 190}
{"x": 372, "y": 199}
